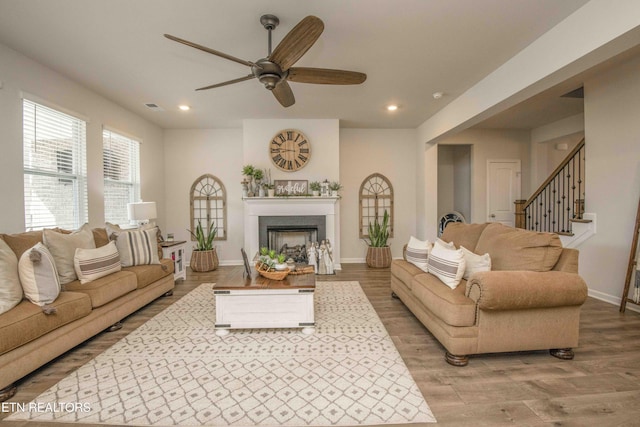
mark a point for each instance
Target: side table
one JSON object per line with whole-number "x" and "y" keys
{"x": 175, "y": 251}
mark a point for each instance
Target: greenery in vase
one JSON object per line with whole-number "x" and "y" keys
{"x": 314, "y": 186}
{"x": 379, "y": 233}
{"x": 205, "y": 241}
{"x": 335, "y": 186}
{"x": 248, "y": 170}
{"x": 258, "y": 175}
{"x": 282, "y": 258}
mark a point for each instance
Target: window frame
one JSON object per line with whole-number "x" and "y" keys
{"x": 211, "y": 182}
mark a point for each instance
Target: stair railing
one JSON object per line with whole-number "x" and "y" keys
{"x": 560, "y": 198}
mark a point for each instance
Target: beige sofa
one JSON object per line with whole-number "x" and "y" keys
{"x": 530, "y": 300}
{"x": 29, "y": 338}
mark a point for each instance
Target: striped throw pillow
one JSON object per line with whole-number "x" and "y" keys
{"x": 139, "y": 247}
{"x": 418, "y": 253}
{"x": 447, "y": 264}
{"x": 92, "y": 264}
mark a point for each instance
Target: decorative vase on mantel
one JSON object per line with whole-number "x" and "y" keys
{"x": 203, "y": 261}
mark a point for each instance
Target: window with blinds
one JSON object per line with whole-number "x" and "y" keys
{"x": 121, "y": 165}
{"x": 55, "y": 168}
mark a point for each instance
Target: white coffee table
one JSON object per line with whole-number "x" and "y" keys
{"x": 260, "y": 303}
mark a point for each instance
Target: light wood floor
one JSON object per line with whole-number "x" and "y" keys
{"x": 600, "y": 387}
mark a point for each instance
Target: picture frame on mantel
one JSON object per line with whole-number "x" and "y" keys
{"x": 290, "y": 187}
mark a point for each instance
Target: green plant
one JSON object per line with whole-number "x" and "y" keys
{"x": 272, "y": 254}
{"x": 248, "y": 170}
{"x": 270, "y": 186}
{"x": 258, "y": 175}
{"x": 282, "y": 258}
{"x": 335, "y": 186}
{"x": 205, "y": 241}
{"x": 379, "y": 233}
{"x": 314, "y": 186}
{"x": 264, "y": 251}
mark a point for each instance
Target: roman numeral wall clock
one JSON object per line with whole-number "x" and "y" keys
{"x": 290, "y": 150}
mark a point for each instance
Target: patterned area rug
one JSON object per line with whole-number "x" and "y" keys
{"x": 174, "y": 370}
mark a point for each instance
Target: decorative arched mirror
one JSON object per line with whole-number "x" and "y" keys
{"x": 376, "y": 197}
{"x": 209, "y": 204}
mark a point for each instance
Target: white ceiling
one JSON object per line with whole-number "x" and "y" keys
{"x": 409, "y": 49}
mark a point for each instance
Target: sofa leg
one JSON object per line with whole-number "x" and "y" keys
{"x": 116, "y": 326}
{"x": 8, "y": 392}
{"x": 456, "y": 360}
{"x": 169, "y": 293}
{"x": 394, "y": 295}
{"x": 562, "y": 353}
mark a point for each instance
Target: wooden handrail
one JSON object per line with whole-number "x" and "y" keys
{"x": 564, "y": 163}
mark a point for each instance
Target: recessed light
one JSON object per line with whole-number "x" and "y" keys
{"x": 184, "y": 107}
{"x": 438, "y": 95}
{"x": 392, "y": 107}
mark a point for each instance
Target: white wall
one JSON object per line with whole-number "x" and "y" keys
{"x": 488, "y": 144}
{"x": 390, "y": 152}
{"x": 612, "y": 130}
{"x": 19, "y": 75}
{"x": 190, "y": 154}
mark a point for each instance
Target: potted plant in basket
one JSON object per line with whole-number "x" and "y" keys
{"x": 335, "y": 187}
{"x": 204, "y": 256}
{"x": 379, "y": 252}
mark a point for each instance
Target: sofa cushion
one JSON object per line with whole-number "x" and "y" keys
{"x": 446, "y": 263}
{"x": 20, "y": 242}
{"x": 147, "y": 274}
{"x": 100, "y": 237}
{"x": 449, "y": 305}
{"x": 404, "y": 271}
{"x": 63, "y": 248}
{"x": 105, "y": 289}
{"x": 519, "y": 250}
{"x": 475, "y": 262}
{"x": 38, "y": 275}
{"x": 26, "y": 322}
{"x": 92, "y": 264}
{"x": 10, "y": 288}
{"x": 462, "y": 234}
{"x": 418, "y": 253}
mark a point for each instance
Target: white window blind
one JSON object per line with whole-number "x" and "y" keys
{"x": 121, "y": 162}
{"x": 55, "y": 168}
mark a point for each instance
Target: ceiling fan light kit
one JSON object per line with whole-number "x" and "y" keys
{"x": 276, "y": 69}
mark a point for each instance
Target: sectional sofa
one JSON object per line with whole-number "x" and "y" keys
{"x": 529, "y": 300}
{"x": 29, "y": 337}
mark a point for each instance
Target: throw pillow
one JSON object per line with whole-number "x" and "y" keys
{"x": 38, "y": 275}
{"x": 446, "y": 264}
{"x": 137, "y": 247}
{"x": 10, "y": 288}
{"x": 63, "y": 248}
{"x": 418, "y": 253}
{"x": 475, "y": 262}
{"x": 91, "y": 264}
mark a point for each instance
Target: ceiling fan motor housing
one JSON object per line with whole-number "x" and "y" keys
{"x": 268, "y": 73}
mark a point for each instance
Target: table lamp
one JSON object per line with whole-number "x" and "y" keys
{"x": 142, "y": 212}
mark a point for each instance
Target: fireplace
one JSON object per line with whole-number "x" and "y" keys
{"x": 325, "y": 212}
{"x": 291, "y": 234}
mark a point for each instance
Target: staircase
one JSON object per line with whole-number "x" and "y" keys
{"x": 558, "y": 206}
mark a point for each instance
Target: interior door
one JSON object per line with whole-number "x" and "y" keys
{"x": 503, "y": 189}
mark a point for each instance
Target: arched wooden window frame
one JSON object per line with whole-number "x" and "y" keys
{"x": 375, "y": 196}
{"x": 209, "y": 191}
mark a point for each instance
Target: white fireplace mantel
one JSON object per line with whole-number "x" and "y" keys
{"x": 255, "y": 207}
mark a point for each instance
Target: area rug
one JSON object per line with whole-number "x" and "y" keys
{"x": 174, "y": 370}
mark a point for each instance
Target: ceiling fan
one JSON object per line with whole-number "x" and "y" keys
{"x": 276, "y": 70}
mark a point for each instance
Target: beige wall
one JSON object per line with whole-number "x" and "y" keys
{"x": 21, "y": 75}
{"x": 390, "y": 152}
{"x": 612, "y": 132}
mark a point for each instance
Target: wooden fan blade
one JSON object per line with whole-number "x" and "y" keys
{"x": 284, "y": 94}
{"x": 209, "y": 50}
{"x": 297, "y": 42}
{"x": 230, "y": 82}
{"x": 325, "y": 76}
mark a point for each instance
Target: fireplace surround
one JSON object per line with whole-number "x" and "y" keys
{"x": 291, "y": 213}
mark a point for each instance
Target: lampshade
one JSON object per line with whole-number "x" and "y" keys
{"x": 141, "y": 211}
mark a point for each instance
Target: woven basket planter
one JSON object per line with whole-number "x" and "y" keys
{"x": 202, "y": 261}
{"x": 379, "y": 257}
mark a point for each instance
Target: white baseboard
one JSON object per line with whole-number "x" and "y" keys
{"x": 612, "y": 299}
